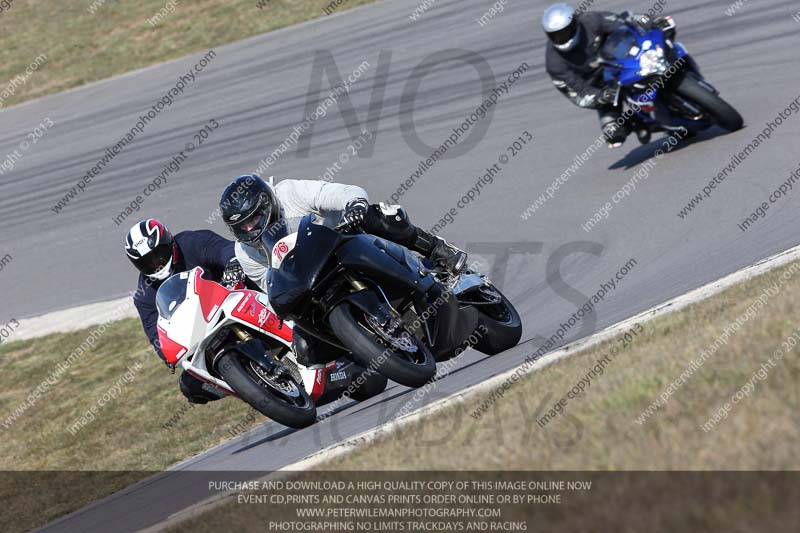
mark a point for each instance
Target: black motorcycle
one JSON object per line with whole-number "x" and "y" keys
{"x": 390, "y": 309}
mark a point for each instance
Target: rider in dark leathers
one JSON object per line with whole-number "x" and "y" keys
{"x": 575, "y": 40}
{"x": 157, "y": 254}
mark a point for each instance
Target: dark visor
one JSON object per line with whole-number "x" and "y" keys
{"x": 563, "y": 36}
{"x": 250, "y": 228}
{"x": 156, "y": 259}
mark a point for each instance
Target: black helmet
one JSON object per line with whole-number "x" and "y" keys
{"x": 249, "y": 206}
{"x": 152, "y": 249}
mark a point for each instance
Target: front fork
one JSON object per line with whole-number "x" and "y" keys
{"x": 387, "y": 317}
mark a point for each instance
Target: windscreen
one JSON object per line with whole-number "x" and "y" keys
{"x": 621, "y": 44}
{"x": 273, "y": 234}
{"x": 171, "y": 294}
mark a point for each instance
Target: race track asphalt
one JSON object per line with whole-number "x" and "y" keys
{"x": 258, "y": 89}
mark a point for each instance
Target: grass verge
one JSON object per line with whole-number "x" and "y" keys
{"x": 89, "y": 40}
{"x": 603, "y": 429}
{"x": 135, "y": 421}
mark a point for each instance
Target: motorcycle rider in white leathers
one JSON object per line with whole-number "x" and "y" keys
{"x": 254, "y": 210}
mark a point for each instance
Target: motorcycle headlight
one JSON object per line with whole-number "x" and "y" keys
{"x": 652, "y": 62}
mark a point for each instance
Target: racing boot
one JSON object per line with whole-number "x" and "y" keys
{"x": 448, "y": 256}
{"x": 198, "y": 392}
{"x": 614, "y": 128}
{"x": 644, "y": 135}
{"x": 615, "y": 134}
{"x": 392, "y": 223}
{"x": 441, "y": 252}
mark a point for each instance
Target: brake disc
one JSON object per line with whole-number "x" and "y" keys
{"x": 400, "y": 341}
{"x": 488, "y": 295}
{"x": 284, "y": 386}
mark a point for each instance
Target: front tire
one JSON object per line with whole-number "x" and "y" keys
{"x": 291, "y": 406}
{"x": 722, "y": 113}
{"x": 412, "y": 369}
{"x": 499, "y": 326}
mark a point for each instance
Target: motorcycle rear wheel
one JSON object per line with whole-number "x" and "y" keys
{"x": 722, "y": 113}
{"x": 412, "y": 369}
{"x": 293, "y": 408}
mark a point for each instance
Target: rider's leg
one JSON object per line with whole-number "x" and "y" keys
{"x": 198, "y": 392}
{"x": 614, "y": 127}
{"x": 391, "y": 222}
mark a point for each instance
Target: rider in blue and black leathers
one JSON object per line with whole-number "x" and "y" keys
{"x": 158, "y": 255}
{"x": 571, "y": 60}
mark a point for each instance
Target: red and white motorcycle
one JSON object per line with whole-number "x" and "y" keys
{"x": 233, "y": 340}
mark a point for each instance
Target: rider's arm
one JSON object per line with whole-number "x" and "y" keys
{"x": 336, "y": 196}
{"x": 578, "y": 90}
{"x": 254, "y": 264}
{"x": 317, "y": 196}
{"x": 215, "y": 251}
{"x": 609, "y": 21}
{"x": 146, "y": 306}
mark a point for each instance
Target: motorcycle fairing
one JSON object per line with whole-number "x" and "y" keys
{"x": 292, "y": 282}
{"x": 253, "y": 312}
{"x": 623, "y": 53}
{"x": 172, "y": 350}
{"x": 211, "y": 295}
{"x": 626, "y": 47}
{"x": 192, "y": 311}
{"x": 185, "y": 322}
{"x": 374, "y": 257}
{"x": 384, "y": 261}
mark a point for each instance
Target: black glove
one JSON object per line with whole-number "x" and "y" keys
{"x": 638, "y": 18}
{"x": 232, "y": 274}
{"x": 665, "y": 24}
{"x": 355, "y": 213}
{"x": 608, "y": 96}
{"x": 169, "y": 365}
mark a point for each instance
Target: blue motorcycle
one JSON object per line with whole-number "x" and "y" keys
{"x": 659, "y": 83}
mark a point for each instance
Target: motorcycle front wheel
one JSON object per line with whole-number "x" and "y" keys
{"x": 402, "y": 358}
{"x": 278, "y": 398}
{"x": 499, "y": 324}
{"x": 722, "y": 113}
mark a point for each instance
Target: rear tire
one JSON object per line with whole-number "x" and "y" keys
{"x": 722, "y": 113}
{"x": 503, "y": 327}
{"x": 369, "y": 352}
{"x": 250, "y": 388}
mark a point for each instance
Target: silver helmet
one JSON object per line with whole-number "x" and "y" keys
{"x": 560, "y": 23}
